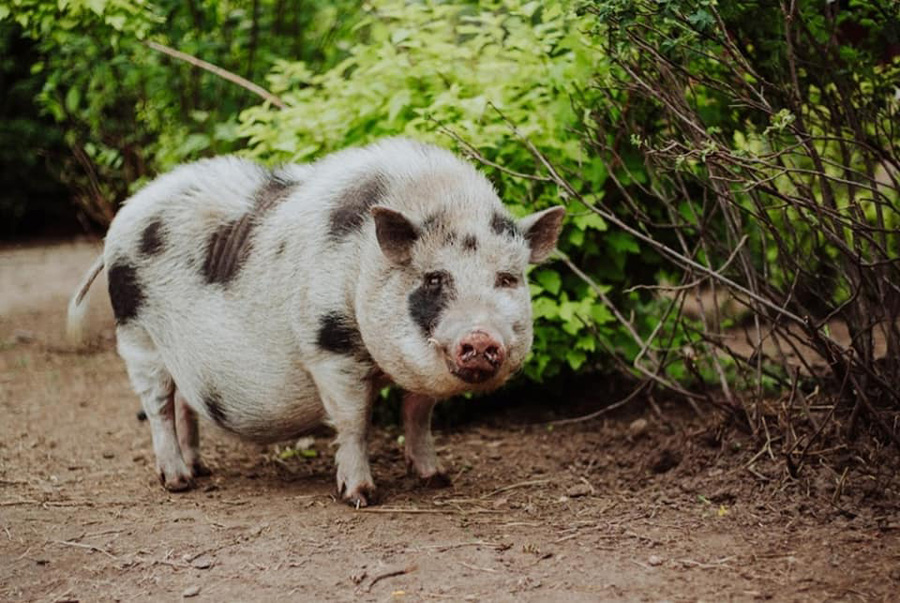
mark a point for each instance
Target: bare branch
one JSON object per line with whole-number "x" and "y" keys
{"x": 222, "y": 73}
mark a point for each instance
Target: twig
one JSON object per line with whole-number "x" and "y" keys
{"x": 471, "y": 150}
{"x": 475, "y": 567}
{"x": 63, "y": 503}
{"x": 90, "y": 547}
{"x": 432, "y": 511}
{"x": 719, "y": 563}
{"x": 390, "y": 574}
{"x": 757, "y": 474}
{"x": 171, "y": 564}
{"x": 500, "y": 546}
{"x": 839, "y": 489}
{"x": 606, "y": 301}
{"x": 534, "y": 482}
{"x": 223, "y": 73}
{"x": 599, "y": 413}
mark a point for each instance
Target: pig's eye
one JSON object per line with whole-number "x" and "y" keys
{"x": 435, "y": 280}
{"x": 506, "y": 280}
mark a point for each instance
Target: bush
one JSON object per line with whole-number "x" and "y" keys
{"x": 128, "y": 113}
{"x": 29, "y": 201}
{"x": 767, "y": 135}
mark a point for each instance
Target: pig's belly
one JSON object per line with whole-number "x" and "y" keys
{"x": 249, "y": 382}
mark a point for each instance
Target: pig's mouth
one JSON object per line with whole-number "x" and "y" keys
{"x": 475, "y": 359}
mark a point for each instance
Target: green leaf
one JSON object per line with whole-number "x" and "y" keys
{"x": 544, "y": 307}
{"x": 701, "y": 19}
{"x": 576, "y": 237}
{"x": 117, "y": 22}
{"x": 575, "y": 358}
{"x": 622, "y": 242}
{"x": 601, "y": 314}
{"x": 549, "y": 280}
{"x": 590, "y": 220}
{"x": 73, "y": 99}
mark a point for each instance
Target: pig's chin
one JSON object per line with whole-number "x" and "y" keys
{"x": 449, "y": 382}
{"x": 474, "y": 380}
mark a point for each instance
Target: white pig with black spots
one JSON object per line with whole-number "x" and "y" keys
{"x": 270, "y": 301}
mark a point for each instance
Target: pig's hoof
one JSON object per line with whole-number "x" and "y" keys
{"x": 438, "y": 479}
{"x": 430, "y": 474}
{"x": 362, "y": 495}
{"x": 176, "y": 483}
{"x": 179, "y": 484}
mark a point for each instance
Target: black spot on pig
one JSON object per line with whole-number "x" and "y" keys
{"x": 470, "y": 243}
{"x": 229, "y": 246}
{"x": 213, "y": 402}
{"x": 125, "y": 291}
{"x": 281, "y": 247}
{"x": 431, "y": 298}
{"x": 338, "y": 333}
{"x": 353, "y": 205}
{"x": 273, "y": 191}
{"x": 440, "y": 227}
{"x": 503, "y": 225}
{"x": 152, "y": 238}
{"x": 433, "y": 222}
{"x": 227, "y": 249}
{"x": 519, "y": 328}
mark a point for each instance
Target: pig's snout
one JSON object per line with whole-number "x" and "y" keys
{"x": 477, "y": 357}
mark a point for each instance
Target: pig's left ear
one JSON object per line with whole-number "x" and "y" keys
{"x": 541, "y": 230}
{"x": 396, "y": 234}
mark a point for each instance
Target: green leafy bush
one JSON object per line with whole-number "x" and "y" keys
{"x": 127, "y": 112}
{"x": 768, "y": 134}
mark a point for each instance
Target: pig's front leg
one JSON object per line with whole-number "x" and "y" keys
{"x": 419, "y": 448}
{"x": 347, "y": 394}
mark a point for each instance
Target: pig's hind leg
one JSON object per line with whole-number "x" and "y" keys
{"x": 188, "y": 436}
{"x": 153, "y": 383}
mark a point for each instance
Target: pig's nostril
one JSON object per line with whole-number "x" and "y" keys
{"x": 492, "y": 353}
{"x": 466, "y": 351}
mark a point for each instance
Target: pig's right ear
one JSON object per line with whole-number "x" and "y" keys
{"x": 396, "y": 234}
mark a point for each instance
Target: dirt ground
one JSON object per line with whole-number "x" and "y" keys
{"x": 670, "y": 507}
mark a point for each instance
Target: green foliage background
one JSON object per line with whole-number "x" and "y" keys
{"x": 348, "y": 75}
{"x": 498, "y": 74}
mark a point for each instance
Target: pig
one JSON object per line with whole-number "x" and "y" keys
{"x": 270, "y": 301}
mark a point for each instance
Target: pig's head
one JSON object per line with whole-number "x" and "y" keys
{"x": 447, "y": 307}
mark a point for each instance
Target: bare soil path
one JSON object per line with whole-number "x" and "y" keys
{"x": 601, "y": 510}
